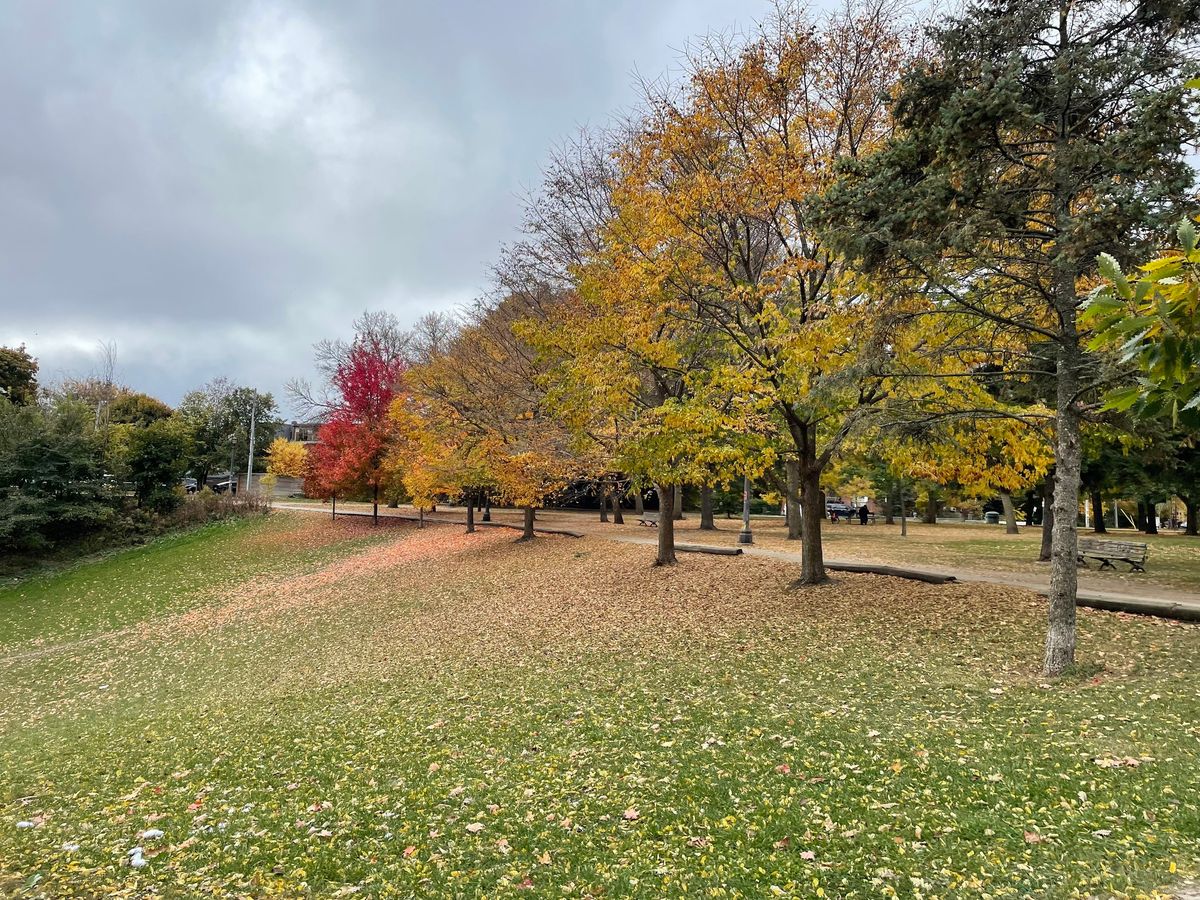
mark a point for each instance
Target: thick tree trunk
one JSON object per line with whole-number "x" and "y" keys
{"x": 666, "y": 525}
{"x": 931, "y": 509}
{"x": 1151, "y": 516}
{"x": 470, "y": 515}
{"x": 487, "y": 508}
{"x": 812, "y": 557}
{"x": 1141, "y": 516}
{"x": 678, "y": 502}
{"x": 794, "y": 522}
{"x": 1047, "y": 548}
{"x": 1190, "y": 507}
{"x": 527, "y": 533}
{"x": 1098, "y": 526}
{"x": 618, "y": 515}
{"x": 604, "y": 502}
{"x": 1010, "y": 515}
{"x": 639, "y": 505}
{"x": 1068, "y": 455}
{"x": 706, "y": 508}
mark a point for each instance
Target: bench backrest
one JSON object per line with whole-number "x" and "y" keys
{"x": 1115, "y": 549}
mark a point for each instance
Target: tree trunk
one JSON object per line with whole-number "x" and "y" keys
{"x": 931, "y": 509}
{"x": 618, "y": 515}
{"x": 375, "y": 505}
{"x": 812, "y": 558}
{"x": 527, "y": 534}
{"x": 1010, "y": 515}
{"x": 487, "y": 508}
{"x": 1140, "y": 524}
{"x": 1047, "y": 549}
{"x": 421, "y": 517}
{"x": 470, "y": 515}
{"x": 706, "y": 508}
{"x": 1098, "y": 526}
{"x": 793, "y": 499}
{"x": 604, "y": 502}
{"x": 666, "y": 525}
{"x": 678, "y": 502}
{"x": 1151, "y": 517}
{"x": 333, "y": 511}
{"x": 1068, "y": 455}
{"x": 1030, "y": 503}
{"x": 1191, "y": 506}
{"x": 639, "y": 505}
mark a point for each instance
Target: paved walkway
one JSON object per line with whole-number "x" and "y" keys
{"x": 1150, "y": 600}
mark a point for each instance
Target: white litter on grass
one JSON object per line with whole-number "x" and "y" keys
{"x": 136, "y": 860}
{"x": 24, "y": 824}
{"x": 70, "y": 846}
{"x": 151, "y": 834}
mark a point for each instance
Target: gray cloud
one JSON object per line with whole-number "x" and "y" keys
{"x": 214, "y": 186}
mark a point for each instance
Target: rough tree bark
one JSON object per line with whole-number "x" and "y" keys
{"x": 527, "y": 533}
{"x": 639, "y": 506}
{"x": 470, "y": 515}
{"x": 706, "y": 508}
{"x": 1151, "y": 516}
{"x": 1047, "y": 548}
{"x": 618, "y": 515}
{"x": 666, "y": 525}
{"x": 604, "y": 501}
{"x": 1098, "y": 526}
{"x": 792, "y": 466}
{"x": 1068, "y": 457}
{"x": 678, "y": 502}
{"x": 812, "y": 557}
{"x": 1010, "y": 515}
{"x": 1191, "y": 506}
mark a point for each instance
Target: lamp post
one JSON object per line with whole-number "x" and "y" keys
{"x": 745, "y": 536}
{"x": 250, "y": 460}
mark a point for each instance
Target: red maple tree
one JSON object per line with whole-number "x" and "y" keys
{"x": 351, "y": 446}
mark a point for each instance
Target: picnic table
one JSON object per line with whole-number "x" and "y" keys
{"x": 1109, "y": 552}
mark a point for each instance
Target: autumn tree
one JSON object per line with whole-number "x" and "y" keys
{"x": 287, "y": 458}
{"x": 486, "y": 386}
{"x": 1038, "y": 135}
{"x": 352, "y": 445}
{"x": 722, "y": 170}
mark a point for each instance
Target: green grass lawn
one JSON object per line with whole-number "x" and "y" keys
{"x": 307, "y": 708}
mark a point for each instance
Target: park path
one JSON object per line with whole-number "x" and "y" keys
{"x": 1150, "y": 600}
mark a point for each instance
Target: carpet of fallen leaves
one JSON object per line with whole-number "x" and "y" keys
{"x": 295, "y": 707}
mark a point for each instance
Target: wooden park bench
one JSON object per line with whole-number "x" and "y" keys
{"x": 649, "y": 519}
{"x": 1108, "y": 552}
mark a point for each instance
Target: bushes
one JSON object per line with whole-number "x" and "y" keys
{"x": 205, "y": 506}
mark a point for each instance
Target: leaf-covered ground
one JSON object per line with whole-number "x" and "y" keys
{"x": 297, "y": 707}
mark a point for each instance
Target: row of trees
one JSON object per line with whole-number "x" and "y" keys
{"x": 81, "y": 457}
{"x": 841, "y": 241}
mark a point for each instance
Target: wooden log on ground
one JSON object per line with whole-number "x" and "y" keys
{"x": 892, "y": 572}
{"x": 715, "y": 551}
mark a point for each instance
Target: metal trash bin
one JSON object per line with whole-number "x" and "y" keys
{"x": 991, "y": 518}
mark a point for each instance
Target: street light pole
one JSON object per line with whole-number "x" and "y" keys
{"x": 250, "y": 460}
{"x": 745, "y": 536}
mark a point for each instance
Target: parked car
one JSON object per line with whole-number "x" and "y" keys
{"x": 222, "y": 487}
{"x": 190, "y": 485}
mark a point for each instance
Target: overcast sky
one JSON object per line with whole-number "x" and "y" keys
{"x": 213, "y": 186}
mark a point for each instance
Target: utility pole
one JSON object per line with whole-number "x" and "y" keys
{"x": 745, "y": 536}
{"x": 250, "y": 461}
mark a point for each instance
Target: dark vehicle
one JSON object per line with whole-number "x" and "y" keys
{"x": 189, "y": 485}
{"x": 224, "y": 487}
{"x": 839, "y": 506}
